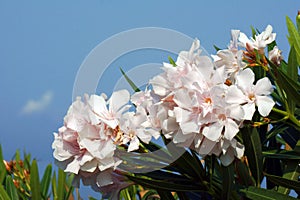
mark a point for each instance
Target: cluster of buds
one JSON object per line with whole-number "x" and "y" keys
{"x": 20, "y": 175}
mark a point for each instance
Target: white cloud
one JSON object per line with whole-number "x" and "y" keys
{"x": 33, "y": 106}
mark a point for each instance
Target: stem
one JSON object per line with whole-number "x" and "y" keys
{"x": 287, "y": 116}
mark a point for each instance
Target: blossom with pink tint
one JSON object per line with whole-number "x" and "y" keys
{"x": 135, "y": 127}
{"x": 275, "y": 55}
{"x": 245, "y": 93}
{"x": 260, "y": 41}
{"x": 117, "y": 103}
{"x": 231, "y": 58}
{"x": 81, "y": 145}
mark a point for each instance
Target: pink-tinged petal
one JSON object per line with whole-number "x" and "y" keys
{"x": 245, "y": 79}
{"x": 206, "y": 147}
{"x": 89, "y": 132}
{"x": 249, "y": 110}
{"x": 189, "y": 127}
{"x": 265, "y": 105}
{"x": 134, "y": 144}
{"x": 213, "y": 132}
{"x": 205, "y": 67}
{"x": 236, "y": 112}
{"x": 231, "y": 129}
{"x": 182, "y": 99}
{"x": 89, "y": 166}
{"x": 97, "y": 104}
{"x": 244, "y": 40}
{"x": 159, "y": 84}
{"x": 263, "y": 87}
{"x": 73, "y": 167}
{"x": 117, "y": 100}
{"x": 239, "y": 150}
{"x": 106, "y": 163}
{"x": 227, "y": 159}
{"x": 235, "y": 96}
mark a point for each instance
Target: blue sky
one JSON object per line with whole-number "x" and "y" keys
{"x": 43, "y": 43}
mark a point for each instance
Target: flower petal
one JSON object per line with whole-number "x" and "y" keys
{"x": 265, "y": 105}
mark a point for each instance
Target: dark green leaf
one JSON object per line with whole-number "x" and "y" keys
{"x": 253, "y": 151}
{"x": 228, "y": 178}
{"x": 291, "y": 184}
{"x": 243, "y": 174}
{"x": 264, "y": 194}
{"x": 131, "y": 83}
{"x": 292, "y": 72}
{"x": 291, "y": 172}
{"x": 164, "y": 185}
{"x": 45, "y": 183}
{"x": 217, "y": 48}
{"x": 35, "y": 181}
{"x": 70, "y": 187}
{"x": 281, "y": 154}
{"x": 10, "y": 188}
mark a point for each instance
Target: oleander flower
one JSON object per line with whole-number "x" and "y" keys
{"x": 248, "y": 95}
{"x": 260, "y": 41}
{"x": 79, "y": 146}
{"x": 231, "y": 58}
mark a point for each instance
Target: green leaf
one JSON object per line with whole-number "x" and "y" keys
{"x": 34, "y": 181}
{"x": 264, "y": 194}
{"x": 243, "y": 175}
{"x": 298, "y": 21}
{"x": 10, "y": 188}
{"x": 291, "y": 172}
{"x": 294, "y": 37}
{"x": 61, "y": 184}
{"x": 281, "y": 154}
{"x": 217, "y": 48}
{"x": 172, "y": 62}
{"x": 291, "y": 87}
{"x": 253, "y": 151}
{"x": 228, "y": 178}
{"x": 45, "y": 183}
{"x": 2, "y": 167}
{"x": 291, "y": 184}
{"x": 54, "y": 186}
{"x": 70, "y": 187}
{"x": 131, "y": 83}
{"x": 292, "y": 72}
{"x": 3, "y": 193}
{"x": 165, "y": 185}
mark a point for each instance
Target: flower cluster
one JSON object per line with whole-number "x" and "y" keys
{"x": 196, "y": 102}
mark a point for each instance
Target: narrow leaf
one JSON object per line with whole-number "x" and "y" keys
{"x": 61, "y": 184}
{"x": 10, "y": 188}
{"x": 172, "y": 62}
{"x": 131, "y": 83}
{"x": 291, "y": 184}
{"x": 253, "y": 151}
{"x": 34, "y": 181}
{"x": 3, "y": 193}
{"x": 294, "y": 37}
{"x": 54, "y": 186}
{"x": 45, "y": 183}
{"x": 264, "y": 194}
{"x": 2, "y": 167}
{"x": 228, "y": 178}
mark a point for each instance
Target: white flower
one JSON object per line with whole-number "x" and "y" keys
{"x": 80, "y": 145}
{"x": 260, "y": 41}
{"x": 249, "y": 95}
{"x": 117, "y": 105}
{"x": 135, "y": 126}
